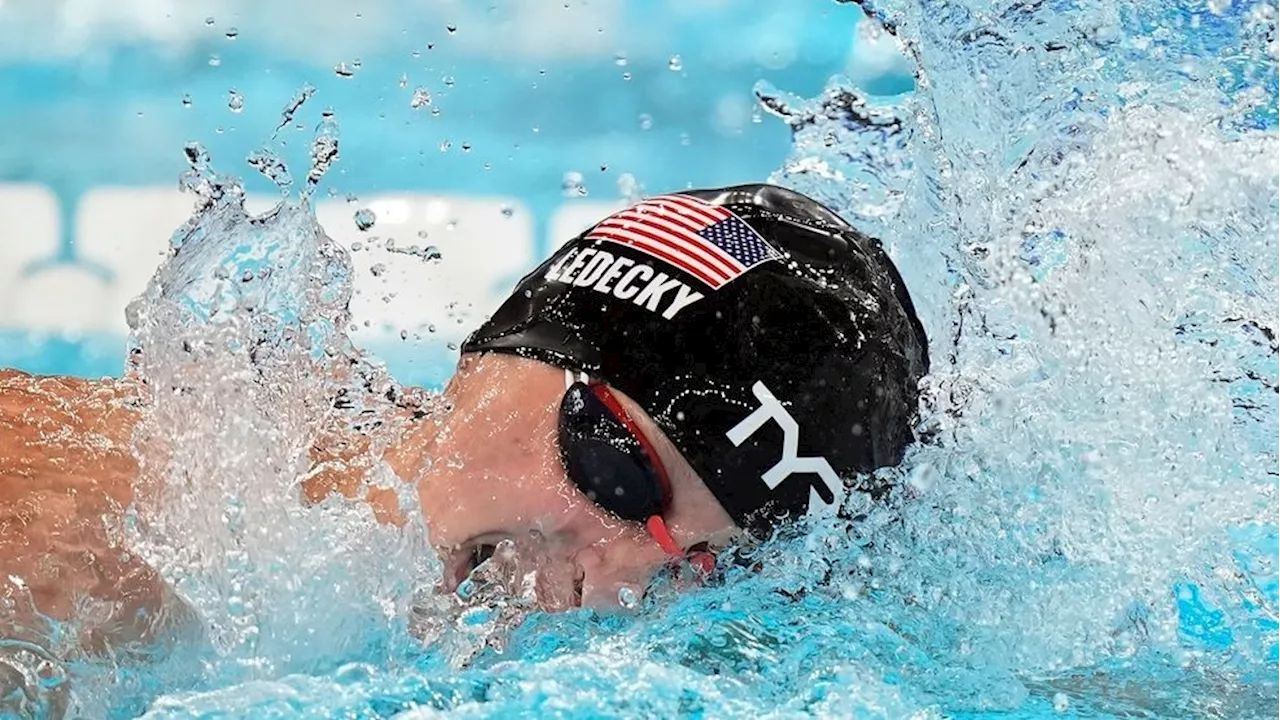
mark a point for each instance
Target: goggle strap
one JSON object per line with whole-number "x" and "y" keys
{"x": 619, "y": 412}
{"x": 661, "y": 535}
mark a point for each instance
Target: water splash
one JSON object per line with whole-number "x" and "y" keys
{"x": 1082, "y": 197}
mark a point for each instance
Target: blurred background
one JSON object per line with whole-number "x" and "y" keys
{"x": 475, "y": 137}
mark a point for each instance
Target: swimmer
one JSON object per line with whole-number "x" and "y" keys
{"x": 704, "y": 366}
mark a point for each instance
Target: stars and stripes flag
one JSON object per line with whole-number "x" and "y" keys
{"x": 704, "y": 240}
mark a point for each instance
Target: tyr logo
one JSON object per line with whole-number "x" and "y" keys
{"x": 790, "y": 463}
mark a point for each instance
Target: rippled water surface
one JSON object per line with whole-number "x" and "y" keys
{"x": 1083, "y": 199}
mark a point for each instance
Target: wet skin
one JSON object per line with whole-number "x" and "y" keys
{"x": 486, "y": 470}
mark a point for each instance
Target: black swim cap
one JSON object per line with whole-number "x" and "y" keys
{"x": 775, "y": 345}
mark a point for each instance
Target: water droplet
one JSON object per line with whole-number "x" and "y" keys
{"x": 186, "y": 100}
{"x": 365, "y": 219}
{"x": 628, "y": 597}
{"x": 444, "y": 146}
{"x": 377, "y": 269}
{"x": 235, "y": 101}
{"x": 508, "y": 211}
{"x": 1060, "y": 702}
{"x": 466, "y": 146}
{"x": 357, "y": 246}
{"x": 448, "y": 81}
{"x": 209, "y": 20}
{"x": 422, "y": 234}
{"x": 528, "y": 293}
{"x": 404, "y": 334}
{"x": 272, "y": 167}
{"x": 345, "y": 70}
{"x": 404, "y": 80}
{"x": 324, "y": 149}
{"x": 675, "y": 64}
{"x": 620, "y": 60}
{"x": 215, "y": 61}
{"x": 646, "y": 121}
{"x": 626, "y": 76}
{"x": 451, "y": 29}
{"x": 421, "y": 98}
{"x": 572, "y": 185}
{"x": 232, "y": 33}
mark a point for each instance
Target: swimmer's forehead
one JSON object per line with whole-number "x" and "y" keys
{"x": 527, "y": 380}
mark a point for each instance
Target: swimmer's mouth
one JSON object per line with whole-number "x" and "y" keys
{"x": 464, "y": 560}
{"x": 475, "y": 552}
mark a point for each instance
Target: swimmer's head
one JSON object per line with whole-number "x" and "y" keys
{"x": 774, "y": 346}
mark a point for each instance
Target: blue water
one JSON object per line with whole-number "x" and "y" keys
{"x": 1083, "y": 200}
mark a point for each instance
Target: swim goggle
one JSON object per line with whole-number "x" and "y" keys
{"x": 611, "y": 461}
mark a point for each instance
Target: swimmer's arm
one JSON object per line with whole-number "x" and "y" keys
{"x": 66, "y": 474}
{"x": 343, "y": 459}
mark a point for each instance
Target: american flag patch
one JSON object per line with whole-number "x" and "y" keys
{"x": 704, "y": 240}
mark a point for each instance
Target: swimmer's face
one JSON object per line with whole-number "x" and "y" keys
{"x": 495, "y": 474}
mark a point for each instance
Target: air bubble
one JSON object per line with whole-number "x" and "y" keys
{"x": 628, "y": 597}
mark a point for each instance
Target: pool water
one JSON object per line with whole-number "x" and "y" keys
{"x": 1082, "y": 197}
